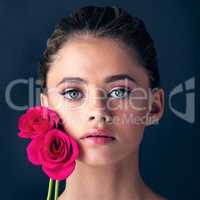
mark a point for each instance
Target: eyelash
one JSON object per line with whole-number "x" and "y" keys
{"x": 125, "y": 89}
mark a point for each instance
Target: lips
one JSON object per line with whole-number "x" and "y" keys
{"x": 98, "y": 133}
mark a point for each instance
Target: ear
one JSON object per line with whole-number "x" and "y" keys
{"x": 157, "y": 107}
{"x": 43, "y": 100}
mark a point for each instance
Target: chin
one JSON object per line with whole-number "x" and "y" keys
{"x": 99, "y": 158}
{"x": 97, "y": 162}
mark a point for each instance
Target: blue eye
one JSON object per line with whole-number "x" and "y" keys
{"x": 75, "y": 94}
{"x": 71, "y": 94}
{"x": 120, "y": 92}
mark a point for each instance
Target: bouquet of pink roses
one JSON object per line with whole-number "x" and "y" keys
{"x": 50, "y": 146}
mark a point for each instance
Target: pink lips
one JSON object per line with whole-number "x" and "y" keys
{"x": 98, "y": 133}
{"x": 98, "y": 136}
{"x": 98, "y": 140}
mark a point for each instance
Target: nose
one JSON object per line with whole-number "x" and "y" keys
{"x": 99, "y": 111}
{"x": 99, "y": 117}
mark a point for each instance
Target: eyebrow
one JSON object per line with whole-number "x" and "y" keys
{"x": 107, "y": 79}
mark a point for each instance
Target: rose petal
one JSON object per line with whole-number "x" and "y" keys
{"x": 23, "y": 124}
{"x": 69, "y": 151}
{"x": 24, "y": 135}
{"x": 51, "y": 135}
{"x": 59, "y": 173}
{"x": 37, "y": 120}
{"x": 75, "y": 150}
{"x": 33, "y": 150}
{"x": 42, "y": 126}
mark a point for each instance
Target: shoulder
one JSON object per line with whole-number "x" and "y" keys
{"x": 152, "y": 195}
{"x": 157, "y": 197}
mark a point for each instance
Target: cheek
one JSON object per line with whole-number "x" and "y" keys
{"x": 131, "y": 125}
{"x": 55, "y": 100}
{"x": 131, "y": 114}
{"x": 137, "y": 104}
{"x": 139, "y": 100}
{"x": 70, "y": 120}
{"x": 70, "y": 115}
{"x": 132, "y": 136}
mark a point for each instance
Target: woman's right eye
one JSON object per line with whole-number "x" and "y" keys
{"x": 71, "y": 94}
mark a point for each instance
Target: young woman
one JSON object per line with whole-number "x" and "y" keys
{"x": 99, "y": 72}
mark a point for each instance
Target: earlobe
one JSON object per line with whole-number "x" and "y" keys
{"x": 153, "y": 116}
{"x": 157, "y": 108}
{"x": 43, "y": 100}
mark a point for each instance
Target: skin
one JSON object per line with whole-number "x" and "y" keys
{"x": 108, "y": 171}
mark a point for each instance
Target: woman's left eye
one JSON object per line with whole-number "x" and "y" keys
{"x": 121, "y": 92}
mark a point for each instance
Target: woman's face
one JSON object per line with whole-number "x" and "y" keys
{"x": 93, "y": 62}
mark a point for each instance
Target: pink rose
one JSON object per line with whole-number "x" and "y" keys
{"x": 56, "y": 151}
{"x": 50, "y": 147}
{"x": 37, "y": 120}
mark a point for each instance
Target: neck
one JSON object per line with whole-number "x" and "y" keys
{"x": 111, "y": 182}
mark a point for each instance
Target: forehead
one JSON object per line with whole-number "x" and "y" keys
{"x": 94, "y": 59}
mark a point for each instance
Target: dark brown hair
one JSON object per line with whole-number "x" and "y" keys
{"x": 112, "y": 22}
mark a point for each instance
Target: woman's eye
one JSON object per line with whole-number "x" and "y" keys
{"x": 72, "y": 94}
{"x": 121, "y": 92}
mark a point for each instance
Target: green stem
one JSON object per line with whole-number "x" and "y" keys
{"x": 50, "y": 189}
{"x": 56, "y": 190}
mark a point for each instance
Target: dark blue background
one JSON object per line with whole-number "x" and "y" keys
{"x": 170, "y": 152}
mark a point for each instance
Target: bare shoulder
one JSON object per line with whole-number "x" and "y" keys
{"x": 152, "y": 195}
{"x": 155, "y": 196}
{"x": 161, "y": 198}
